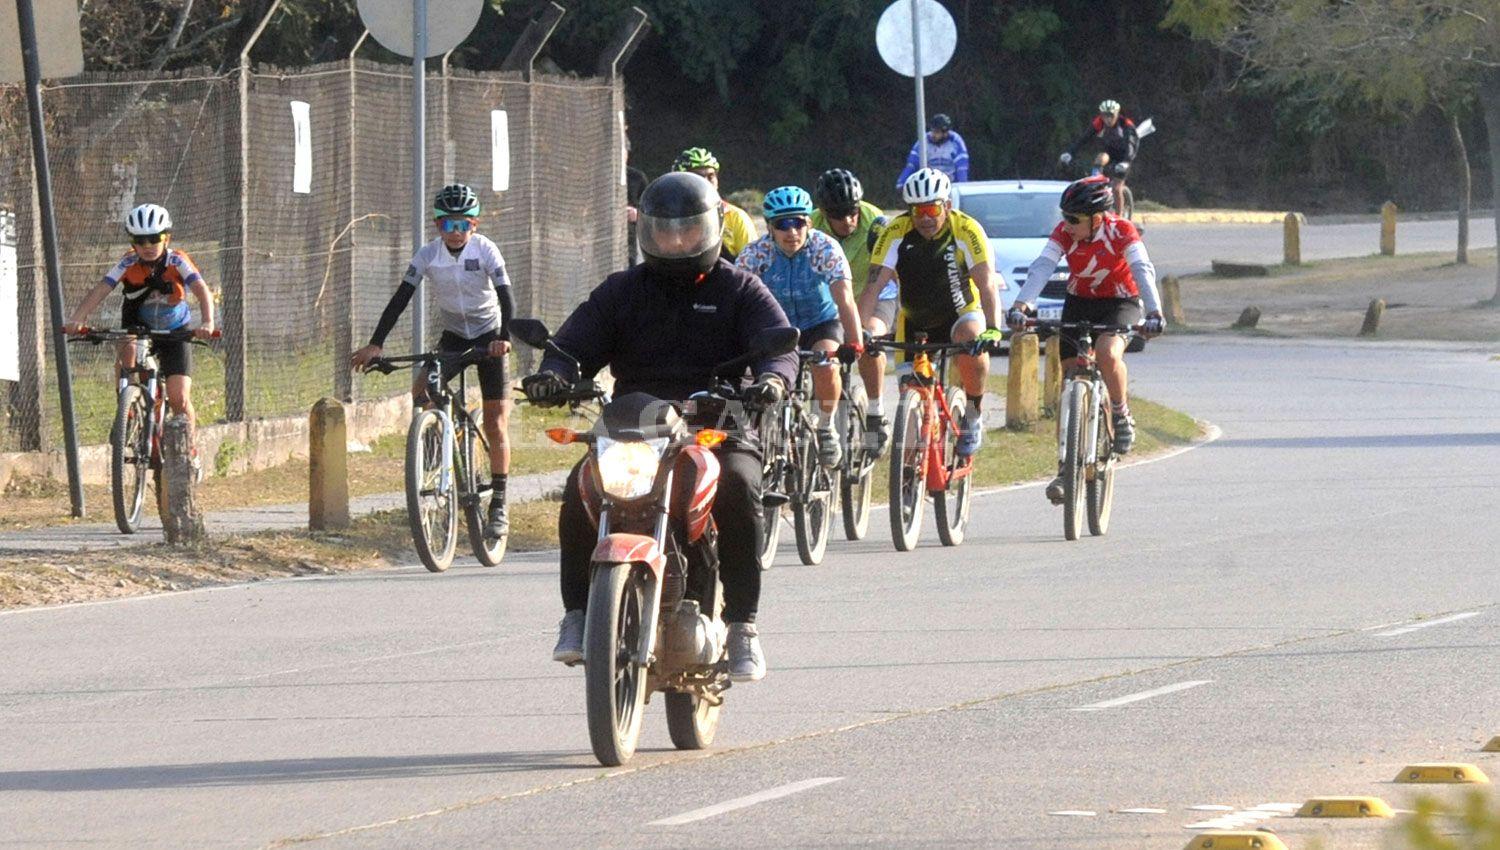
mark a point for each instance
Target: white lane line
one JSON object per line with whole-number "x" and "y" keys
{"x": 1451, "y": 618}
{"x": 1211, "y": 807}
{"x": 1074, "y": 813}
{"x": 745, "y": 802}
{"x": 1141, "y": 811}
{"x": 1156, "y": 692}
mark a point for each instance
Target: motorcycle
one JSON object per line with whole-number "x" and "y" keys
{"x": 654, "y": 620}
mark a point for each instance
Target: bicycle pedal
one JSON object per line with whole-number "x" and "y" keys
{"x": 773, "y": 499}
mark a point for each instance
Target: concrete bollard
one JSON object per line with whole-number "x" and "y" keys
{"x": 1052, "y": 383}
{"x": 1171, "y": 297}
{"x": 1388, "y": 229}
{"x": 1372, "y": 318}
{"x": 1021, "y": 391}
{"x": 1248, "y": 319}
{"x": 182, "y": 522}
{"x": 327, "y": 467}
{"x": 1291, "y": 239}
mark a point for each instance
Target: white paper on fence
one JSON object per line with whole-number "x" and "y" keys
{"x": 1145, "y": 128}
{"x": 624, "y": 147}
{"x": 499, "y": 150}
{"x": 302, "y": 135}
{"x": 10, "y": 320}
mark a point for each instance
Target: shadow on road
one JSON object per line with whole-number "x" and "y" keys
{"x": 1364, "y": 441}
{"x": 278, "y": 771}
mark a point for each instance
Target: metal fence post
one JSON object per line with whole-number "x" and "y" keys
{"x": 347, "y": 334}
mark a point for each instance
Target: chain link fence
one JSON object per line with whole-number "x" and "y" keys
{"x": 290, "y": 189}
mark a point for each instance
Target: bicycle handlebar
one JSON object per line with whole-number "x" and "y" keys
{"x": 915, "y": 347}
{"x": 1055, "y": 324}
{"x": 99, "y": 335}
{"x": 387, "y": 365}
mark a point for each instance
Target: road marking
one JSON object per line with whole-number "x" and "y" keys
{"x": 1155, "y": 692}
{"x": 745, "y": 802}
{"x": 1211, "y": 808}
{"x": 1074, "y": 813}
{"x": 1451, "y": 618}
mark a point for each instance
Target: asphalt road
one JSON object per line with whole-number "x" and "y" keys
{"x": 1240, "y": 639}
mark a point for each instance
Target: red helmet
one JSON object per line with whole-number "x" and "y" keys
{"x": 1088, "y": 196}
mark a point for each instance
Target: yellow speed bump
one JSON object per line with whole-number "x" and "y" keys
{"x": 1235, "y": 840}
{"x": 1442, "y": 772}
{"x": 1345, "y": 807}
{"x": 1493, "y": 746}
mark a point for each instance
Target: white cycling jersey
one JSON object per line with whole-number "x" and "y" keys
{"x": 464, "y": 284}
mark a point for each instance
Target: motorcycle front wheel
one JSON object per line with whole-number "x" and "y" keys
{"x": 614, "y": 682}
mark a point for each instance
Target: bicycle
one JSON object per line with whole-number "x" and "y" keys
{"x": 135, "y": 436}
{"x": 1085, "y": 430}
{"x": 924, "y": 454}
{"x": 793, "y": 473}
{"x": 858, "y": 465}
{"x": 444, "y": 449}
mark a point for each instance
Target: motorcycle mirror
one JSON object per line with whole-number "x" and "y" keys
{"x": 533, "y": 332}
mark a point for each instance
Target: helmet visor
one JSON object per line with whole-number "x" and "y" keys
{"x": 676, "y": 238}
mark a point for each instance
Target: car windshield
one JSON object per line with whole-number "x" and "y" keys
{"x": 1014, "y": 215}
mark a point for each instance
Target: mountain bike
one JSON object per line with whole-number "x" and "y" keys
{"x": 794, "y": 474}
{"x": 140, "y": 414}
{"x": 924, "y": 447}
{"x": 858, "y": 466}
{"x": 445, "y": 451}
{"x": 1085, "y": 430}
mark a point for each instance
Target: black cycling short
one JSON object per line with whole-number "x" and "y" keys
{"x": 1098, "y": 311}
{"x": 1118, "y": 170}
{"x": 173, "y": 356}
{"x": 494, "y": 377}
{"x": 831, "y": 330}
{"x": 941, "y": 332}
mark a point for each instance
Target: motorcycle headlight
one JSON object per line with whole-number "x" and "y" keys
{"x": 627, "y": 469}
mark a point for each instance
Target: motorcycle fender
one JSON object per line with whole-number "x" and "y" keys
{"x": 588, "y": 490}
{"x": 705, "y": 486}
{"x": 622, "y": 548}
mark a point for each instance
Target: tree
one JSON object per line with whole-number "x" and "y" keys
{"x": 1396, "y": 54}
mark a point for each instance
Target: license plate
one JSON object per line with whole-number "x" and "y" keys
{"x": 1049, "y": 314}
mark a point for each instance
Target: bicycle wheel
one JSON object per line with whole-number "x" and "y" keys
{"x": 129, "y": 457}
{"x": 1129, "y": 201}
{"x": 951, "y": 507}
{"x": 1101, "y": 480}
{"x": 431, "y": 507}
{"x": 1073, "y": 460}
{"x": 775, "y": 494}
{"x": 477, "y": 502}
{"x": 854, "y": 485}
{"x": 812, "y": 505}
{"x": 908, "y": 490}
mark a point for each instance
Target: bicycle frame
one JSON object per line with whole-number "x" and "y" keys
{"x": 927, "y": 380}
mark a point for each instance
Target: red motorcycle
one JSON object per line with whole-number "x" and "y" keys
{"x": 655, "y": 619}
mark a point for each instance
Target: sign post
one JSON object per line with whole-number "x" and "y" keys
{"x": 916, "y": 38}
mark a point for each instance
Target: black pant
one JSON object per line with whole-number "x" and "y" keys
{"x": 737, "y": 512}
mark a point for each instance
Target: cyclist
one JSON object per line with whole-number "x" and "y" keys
{"x": 809, "y": 275}
{"x": 1110, "y": 274}
{"x": 157, "y": 278}
{"x": 739, "y": 230}
{"x": 475, "y": 305}
{"x": 844, "y": 214}
{"x": 946, "y": 152}
{"x": 940, "y": 257}
{"x": 661, "y": 326}
{"x": 1117, "y": 136}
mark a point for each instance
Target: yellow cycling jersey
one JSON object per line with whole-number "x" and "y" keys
{"x": 935, "y": 274}
{"x": 739, "y": 230}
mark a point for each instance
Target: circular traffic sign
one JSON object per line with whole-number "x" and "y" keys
{"x": 939, "y": 36}
{"x": 449, "y": 22}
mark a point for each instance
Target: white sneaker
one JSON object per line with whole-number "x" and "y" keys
{"x": 746, "y": 661}
{"x": 569, "y": 649}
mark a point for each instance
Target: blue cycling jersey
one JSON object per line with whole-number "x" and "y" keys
{"x": 802, "y": 283}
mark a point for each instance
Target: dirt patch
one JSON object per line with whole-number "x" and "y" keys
{"x": 1427, "y": 297}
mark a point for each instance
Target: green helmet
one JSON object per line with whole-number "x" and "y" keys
{"x": 693, "y": 159}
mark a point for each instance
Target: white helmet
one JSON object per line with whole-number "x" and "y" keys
{"x": 1109, "y": 107}
{"x": 925, "y": 186}
{"x": 148, "y": 220}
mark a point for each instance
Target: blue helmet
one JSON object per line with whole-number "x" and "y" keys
{"x": 787, "y": 200}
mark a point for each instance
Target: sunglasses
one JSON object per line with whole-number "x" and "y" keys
{"x": 932, "y": 210}
{"x": 1076, "y": 219}
{"x": 792, "y": 223}
{"x": 146, "y": 240}
{"x": 849, "y": 213}
{"x": 455, "y": 225}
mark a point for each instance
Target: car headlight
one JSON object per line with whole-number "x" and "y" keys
{"x": 627, "y": 469}
{"x": 1059, "y": 275}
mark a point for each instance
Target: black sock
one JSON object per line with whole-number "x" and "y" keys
{"x": 974, "y": 403}
{"x": 497, "y": 485}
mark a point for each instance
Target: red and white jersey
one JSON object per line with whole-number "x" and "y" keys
{"x": 1099, "y": 267}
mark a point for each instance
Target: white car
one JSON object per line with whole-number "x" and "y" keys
{"x": 1018, "y": 216}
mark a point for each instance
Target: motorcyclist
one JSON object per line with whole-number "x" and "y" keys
{"x": 661, "y": 326}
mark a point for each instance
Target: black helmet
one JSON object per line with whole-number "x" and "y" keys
{"x": 455, "y": 199}
{"x": 940, "y": 121}
{"x": 838, "y": 189}
{"x": 1088, "y": 196}
{"x": 680, "y": 226}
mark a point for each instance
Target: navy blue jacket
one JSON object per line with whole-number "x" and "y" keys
{"x": 664, "y": 340}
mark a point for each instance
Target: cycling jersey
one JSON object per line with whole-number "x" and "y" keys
{"x": 950, "y": 156}
{"x": 467, "y": 303}
{"x": 1113, "y": 263}
{"x": 935, "y": 274}
{"x": 739, "y": 230}
{"x": 802, "y": 283}
{"x": 1119, "y": 141}
{"x": 155, "y": 292}
{"x": 858, "y": 243}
